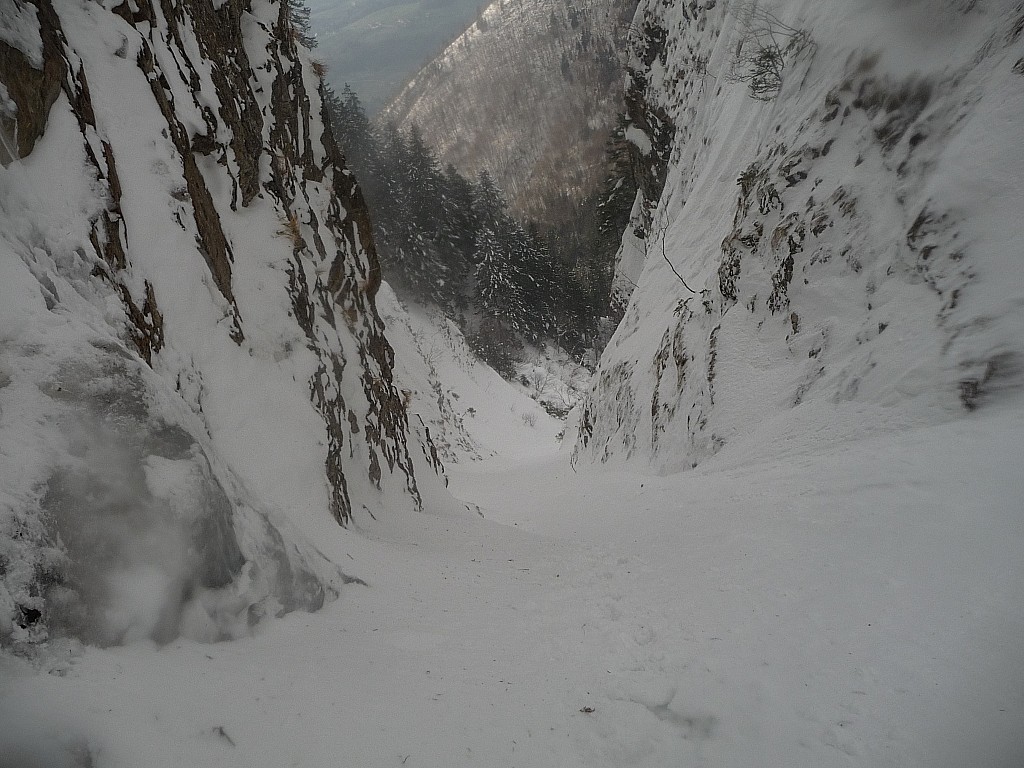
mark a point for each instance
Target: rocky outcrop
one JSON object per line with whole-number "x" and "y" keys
{"x": 648, "y": 137}
{"x": 650, "y": 130}
{"x": 189, "y": 346}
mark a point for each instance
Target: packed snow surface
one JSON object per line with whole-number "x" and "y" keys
{"x": 854, "y": 605}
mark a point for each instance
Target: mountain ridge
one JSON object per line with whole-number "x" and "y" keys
{"x": 537, "y": 123}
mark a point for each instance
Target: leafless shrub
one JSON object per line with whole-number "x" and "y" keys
{"x": 764, "y": 47}
{"x": 538, "y": 382}
{"x": 290, "y": 229}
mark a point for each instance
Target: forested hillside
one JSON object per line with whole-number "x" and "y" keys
{"x": 529, "y": 93}
{"x": 453, "y": 242}
{"x": 377, "y": 45}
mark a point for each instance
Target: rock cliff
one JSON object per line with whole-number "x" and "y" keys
{"x": 193, "y": 373}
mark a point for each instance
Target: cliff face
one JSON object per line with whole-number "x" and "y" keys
{"x": 835, "y": 248}
{"x": 193, "y": 374}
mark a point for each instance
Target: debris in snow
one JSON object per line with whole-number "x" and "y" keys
{"x": 218, "y": 730}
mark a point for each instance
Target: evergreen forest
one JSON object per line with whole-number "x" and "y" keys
{"x": 449, "y": 241}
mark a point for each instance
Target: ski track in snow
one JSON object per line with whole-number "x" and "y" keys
{"x": 855, "y": 606}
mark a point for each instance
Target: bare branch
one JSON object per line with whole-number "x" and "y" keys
{"x": 664, "y": 255}
{"x": 765, "y": 44}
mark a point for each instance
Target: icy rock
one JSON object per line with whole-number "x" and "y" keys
{"x": 146, "y": 533}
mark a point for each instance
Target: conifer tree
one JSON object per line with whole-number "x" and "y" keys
{"x": 298, "y": 13}
{"x": 450, "y": 241}
{"x": 351, "y": 126}
{"x": 459, "y": 226}
{"x": 498, "y": 300}
{"x": 424, "y": 182}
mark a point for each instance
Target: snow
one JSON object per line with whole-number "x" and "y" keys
{"x": 219, "y": 440}
{"x": 19, "y": 28}
{"x": 483, "y": 106}
{"x": 641, "y": 139}
{"x": 472, "y": 413}
{"x": 836, "y": 584}
{"x": 888, "y": 148}
{"x": 857, "y": 605}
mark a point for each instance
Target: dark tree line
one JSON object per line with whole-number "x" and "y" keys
{"x": 450, "y": 241}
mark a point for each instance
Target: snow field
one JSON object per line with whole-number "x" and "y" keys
{"x": 853, "y": 605}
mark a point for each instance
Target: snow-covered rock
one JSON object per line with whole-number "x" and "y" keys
{"x": 838, "y": 256}
{"x": 194, "y": 379}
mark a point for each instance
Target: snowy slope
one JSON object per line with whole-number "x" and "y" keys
{"x": 857, "y": 606}
{"x": 471, "y": 412}
{"x": 194, "y": 381}
{"x": 836, "y": 584}
{"x": 840, "y": 258}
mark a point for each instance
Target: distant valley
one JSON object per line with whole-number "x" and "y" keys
{"x": 378, "y": 45}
